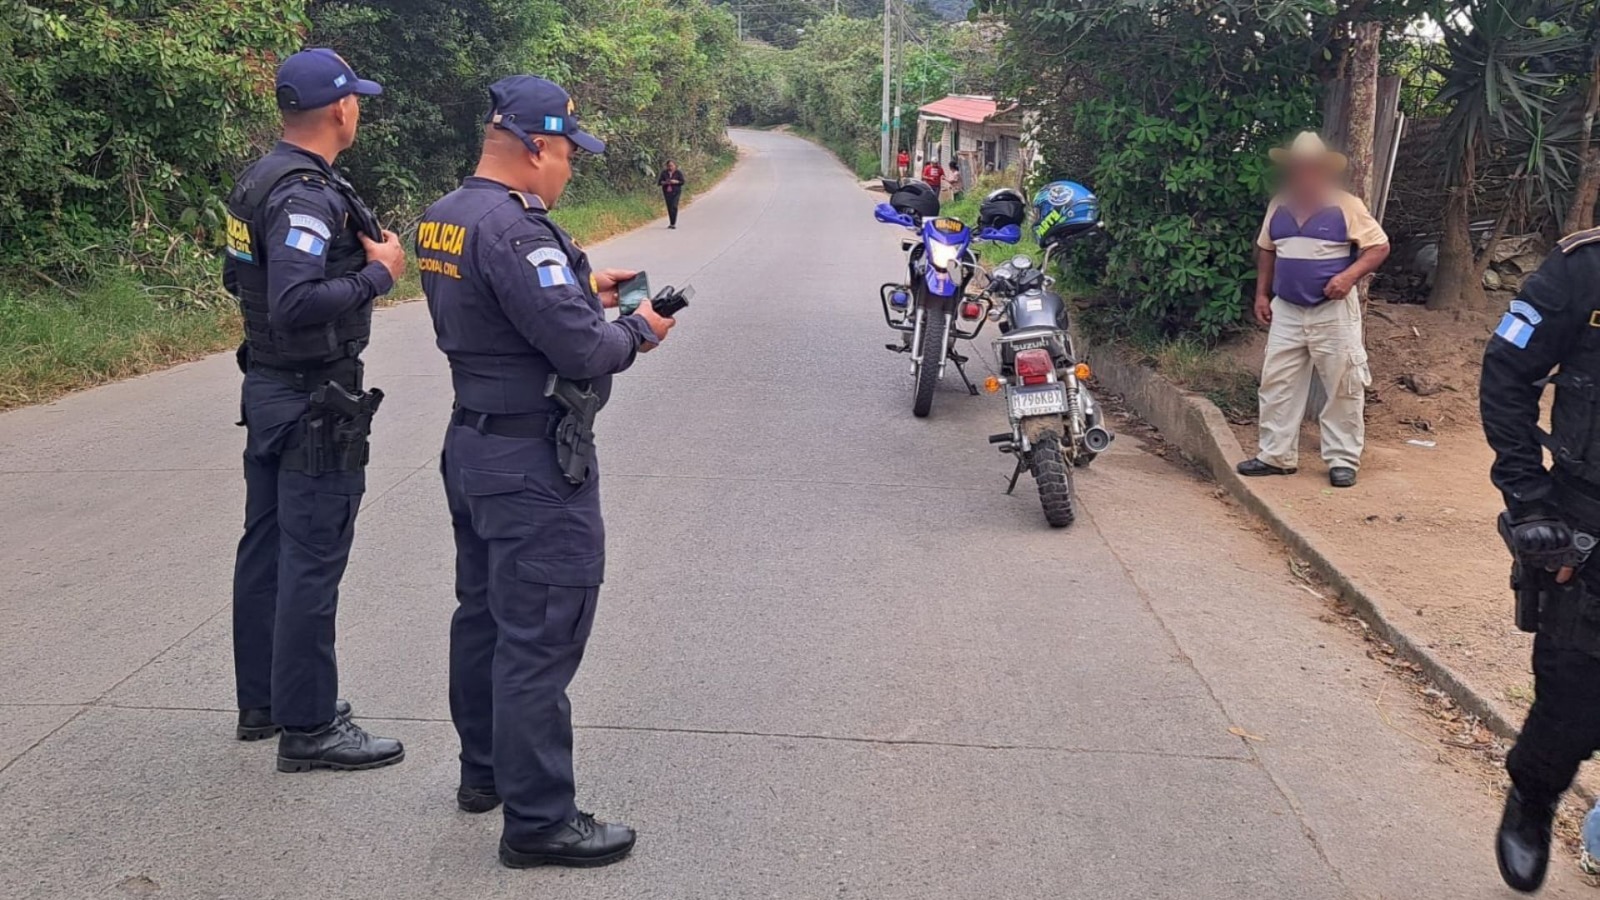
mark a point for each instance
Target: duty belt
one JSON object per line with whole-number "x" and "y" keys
{"x": 540, "y": 426}
{"x": 346, "y": 373}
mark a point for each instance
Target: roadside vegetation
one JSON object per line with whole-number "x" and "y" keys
{"x": 121, "y": 126}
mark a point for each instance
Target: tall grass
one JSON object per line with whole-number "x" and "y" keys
{"x": 53, "y": 341}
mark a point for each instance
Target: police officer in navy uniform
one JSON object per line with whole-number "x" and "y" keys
{"x": 514, "y": 302}
{"x": 1553, "y": 325}
{"x": 306, "y": 259}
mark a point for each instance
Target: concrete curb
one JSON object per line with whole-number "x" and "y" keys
{"x": 1199, "y": 429}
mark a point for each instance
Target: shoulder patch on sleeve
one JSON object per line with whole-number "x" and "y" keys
{"x": 1514, "y": 330}
{"x": 310, "y": 223}
{"x": 547, "y": 255}
{"x": 1579, "y": 239}
{"x": 1525, "y": 309}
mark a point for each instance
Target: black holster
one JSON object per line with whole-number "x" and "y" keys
{"x": 575, "y": 432}
{"x": 334, "y": 432}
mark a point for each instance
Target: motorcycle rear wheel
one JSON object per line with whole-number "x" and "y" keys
{"x": 933, "y": 350}
{"x": 1055, "y": 481}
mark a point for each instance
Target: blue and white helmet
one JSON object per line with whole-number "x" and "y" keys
{"x": 1062, "y": 209}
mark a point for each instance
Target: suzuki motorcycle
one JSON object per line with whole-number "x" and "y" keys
{"x": 931, "y": 309}
{"x": 1056, "y": 424}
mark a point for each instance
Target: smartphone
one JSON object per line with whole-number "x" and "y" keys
{"x": 633, "y": 292}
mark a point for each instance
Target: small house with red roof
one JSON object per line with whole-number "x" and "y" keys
{"x": 984, "y": 133}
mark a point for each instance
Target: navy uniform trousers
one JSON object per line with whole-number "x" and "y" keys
{"x": 530, "y": 552}
{"x": 297, "y": 535}
{"x": 1563, "y": 725}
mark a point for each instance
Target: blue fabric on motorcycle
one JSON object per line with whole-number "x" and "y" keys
{"x": 1063, "y": 209}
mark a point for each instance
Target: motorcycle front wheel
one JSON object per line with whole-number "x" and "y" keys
{"x": 928, "y": 364}
{"x": 1054, "y": 479}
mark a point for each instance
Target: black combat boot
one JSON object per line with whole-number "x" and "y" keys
{"x": 1523, "y": 844}
{"x": 256, "y": 724}
{"x": 583, "y": 842}
{"x": 476, "y": 800}
{"x": 341, "y": 744}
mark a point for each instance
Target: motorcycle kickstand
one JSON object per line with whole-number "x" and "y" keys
{"x": 1017, "y": 473}
{"x": 960, "y": 362}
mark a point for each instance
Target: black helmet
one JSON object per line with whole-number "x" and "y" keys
{"x": 915, "y": 198}
{"x": 1001, "y": 208}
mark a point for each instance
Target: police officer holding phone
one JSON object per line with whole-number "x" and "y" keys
{"x": 1550, "y": 520}
{"x": 305, "y": 258}
{"x": 520, "y": 315}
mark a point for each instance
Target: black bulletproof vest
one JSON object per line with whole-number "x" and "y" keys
{"x": 1574, "y": 432}
{"x": 245, "y": 271}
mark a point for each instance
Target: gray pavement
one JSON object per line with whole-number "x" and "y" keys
{"x": 833, "y": 659}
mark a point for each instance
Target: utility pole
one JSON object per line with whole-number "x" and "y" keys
{"x": 883, "y": 125}
{"x": 897, "y": 129}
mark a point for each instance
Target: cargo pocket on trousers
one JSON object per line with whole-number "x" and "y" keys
{"x": 321, "y": 519}
{"x": 568, "y": 611}
{"x": 1357, "y": 376}
{"x": 498, "y": 503}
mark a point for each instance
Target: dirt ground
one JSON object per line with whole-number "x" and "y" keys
{"x": 1419, "y": 527}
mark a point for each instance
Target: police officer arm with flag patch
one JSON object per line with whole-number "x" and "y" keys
{"x": 1538, "y": 333}
{"x": 302, "y": 219}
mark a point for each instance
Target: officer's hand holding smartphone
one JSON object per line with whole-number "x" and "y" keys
{"x": 659, "y": 325}
{"x": 391, "y": 253}
{"x": 606, "y": 282}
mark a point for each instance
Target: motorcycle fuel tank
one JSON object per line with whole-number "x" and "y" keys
{"x": 1038, "y": 309}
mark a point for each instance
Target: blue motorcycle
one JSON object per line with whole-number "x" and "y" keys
{"x": 931, "y": 309}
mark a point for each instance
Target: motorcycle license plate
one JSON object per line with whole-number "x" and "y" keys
{"x": 1038, "y": 400}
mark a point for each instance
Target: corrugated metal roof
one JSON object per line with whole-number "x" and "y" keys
{"x": 962, "y": 108}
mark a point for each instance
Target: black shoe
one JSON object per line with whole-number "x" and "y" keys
{"x": 1342, "y": 476}
{"x": 1255, "y": 467}
{"x": 476, "y": 800}
{"x": 341, "y": 745}
{"x": 672, "y": 228}
{"x": 582, "y": 843}
{"x": 256, "y": 724}
{"x": 1523, "y": 845}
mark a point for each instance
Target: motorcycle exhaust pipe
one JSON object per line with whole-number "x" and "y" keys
{"x": 1096, "y": 439}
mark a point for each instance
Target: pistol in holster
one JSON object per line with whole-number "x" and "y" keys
{"x": 575, "y": 432}
{"x": 1535, "y": 586}
{"x": 335, "y": 431}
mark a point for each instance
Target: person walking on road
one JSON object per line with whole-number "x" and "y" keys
{"x": 305, "y": 258}
{"x": 1315, "y": 246}
{"x": 520, "y": 314}
{"x": 1551, "y": 325}
{"x": 671, "y": 181}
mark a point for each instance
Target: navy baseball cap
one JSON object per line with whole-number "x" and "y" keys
{"x": 527, "y": 105}
{"x": 314, "y": 78}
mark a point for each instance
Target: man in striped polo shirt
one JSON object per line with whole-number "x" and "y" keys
{"x": 1317, "y": 242}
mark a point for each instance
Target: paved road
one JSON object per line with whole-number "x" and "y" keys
{"x": 833, "y": 660}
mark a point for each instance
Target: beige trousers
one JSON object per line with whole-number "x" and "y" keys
{"x": 1324, "y": 340}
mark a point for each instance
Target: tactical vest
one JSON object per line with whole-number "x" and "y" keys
{"x": 245, "y": 270}
{"x": 1574, "y": 439}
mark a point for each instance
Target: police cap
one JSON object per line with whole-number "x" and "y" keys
{"x": 527, "y": 105}
{"x": 317, "y": 77}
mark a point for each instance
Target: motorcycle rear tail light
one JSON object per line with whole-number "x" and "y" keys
{"x": 1034, "y": 366}
{"x": 971, "y": 310}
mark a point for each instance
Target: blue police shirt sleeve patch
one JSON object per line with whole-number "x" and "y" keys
{"x": 305, "y": 241}
{"x": 1514, "y": 330}
{"x": 1525, "y": 309}
{"x": 311, "y": 224}
{"x": 547, "y": 255}
{"x": 555, "y": 276}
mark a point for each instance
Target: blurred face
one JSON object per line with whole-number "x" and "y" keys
{"x": 1305, "y": 178}
{"x": 552, "y": 167}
